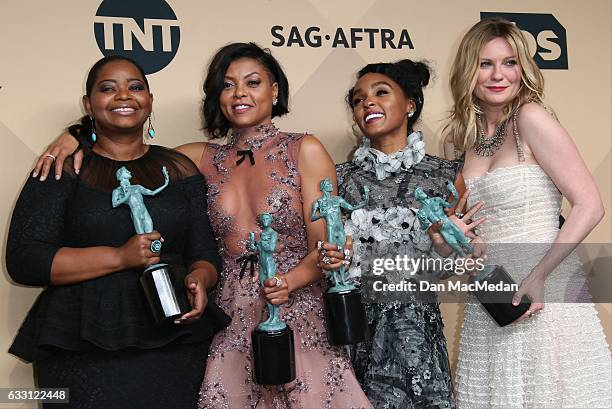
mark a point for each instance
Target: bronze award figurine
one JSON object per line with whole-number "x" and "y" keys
{"x": 346, "y": 320}
{"x": 165, "y": 297}
{"x": 272, "y": 339}
{"x": 497, "y": 303}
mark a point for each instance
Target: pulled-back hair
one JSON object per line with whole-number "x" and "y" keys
{"x": 84, "y": 126}
{"x": 411, "y": 76}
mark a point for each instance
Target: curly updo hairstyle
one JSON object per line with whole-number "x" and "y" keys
{"x": 411, "y": 76}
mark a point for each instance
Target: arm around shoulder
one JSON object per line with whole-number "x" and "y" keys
{"x": 193, "y": 151}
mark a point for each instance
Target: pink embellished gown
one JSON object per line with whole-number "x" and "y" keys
{"x": 238, "y": 193}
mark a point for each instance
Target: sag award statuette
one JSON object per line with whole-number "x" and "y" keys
{"x": 497, "y": 303}
{"x": 273, "y": 347}
{"x": 346, "y": 320}
{"x": 166, "y": 300}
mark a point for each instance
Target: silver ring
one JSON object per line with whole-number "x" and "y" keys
{"x": 326, "y": 259}
{"x": 339, "y": 248}
{"x": 459, "y": 215}
{"x": 48, "y": 155}
{"x": 347, "y": 253}
{"x": 530, "y": 314}
{"x": 320, "y": 245}
{"x": 278, "y": 281}
{"x": 156, "y": 246}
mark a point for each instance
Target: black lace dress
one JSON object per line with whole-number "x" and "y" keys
{"x": 96, "y": 337}
{"x": 404, "y": 362}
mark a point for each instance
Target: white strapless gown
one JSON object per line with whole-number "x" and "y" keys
{"x": 557, "y": 359}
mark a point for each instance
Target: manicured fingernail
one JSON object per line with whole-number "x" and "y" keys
{"x": 34, "y": 174}
{"x": 42, "y": 178}
{"x": 57, "y": 177}
{"x": 77, "y": 171}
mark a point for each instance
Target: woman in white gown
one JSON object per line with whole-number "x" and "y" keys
{"x": 520, "y": 161}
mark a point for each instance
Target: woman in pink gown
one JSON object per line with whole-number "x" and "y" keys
{"x": 262, "y": 169}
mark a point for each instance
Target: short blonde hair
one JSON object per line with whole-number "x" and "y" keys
{"x": 462, "y": 128}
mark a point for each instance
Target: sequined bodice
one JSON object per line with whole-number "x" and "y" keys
{"x": 238, "y": 194}
{"x": 522, "y": 205}
{"x": 257, "y": 172}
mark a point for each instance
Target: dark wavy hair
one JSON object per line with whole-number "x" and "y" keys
{"x": 84, "y": 127}
{"x": 411, "y": 76}
{"x": 215, "y": 123}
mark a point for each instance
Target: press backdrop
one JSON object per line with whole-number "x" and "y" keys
{"x": 47, "y": 47}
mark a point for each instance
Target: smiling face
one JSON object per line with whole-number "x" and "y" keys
{"x": 499, "y": 74}
{"x": 248, "y": 94}
{"x": 380, "y": 107}
{"x": 120, "y": 100}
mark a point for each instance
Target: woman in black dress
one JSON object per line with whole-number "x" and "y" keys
{"x": 89, "y": 330}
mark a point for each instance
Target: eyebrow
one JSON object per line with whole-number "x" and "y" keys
{"x": 505, "y": 58}
{"x": 358, "y": 90}
{"x": 115, "y": 81}
{"x": 245, "y": 76}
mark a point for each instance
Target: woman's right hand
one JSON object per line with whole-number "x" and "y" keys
{"x": 57, "y": 152}
{"x": 331, "y": 259}
{"x": 136, "y": 252}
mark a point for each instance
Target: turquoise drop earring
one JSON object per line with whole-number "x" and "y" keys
{"x": 151, "y": 131}
{"x": 94, "y": 137}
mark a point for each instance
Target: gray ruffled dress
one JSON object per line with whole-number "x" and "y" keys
{"x": 404, "y": 362}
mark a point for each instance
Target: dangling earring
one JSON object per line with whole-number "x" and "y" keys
{"x": 151, "y": 131}
{"x": 275, "y": 101}
{"x": 94, "y": 137}
{"x": 410, "y": 114}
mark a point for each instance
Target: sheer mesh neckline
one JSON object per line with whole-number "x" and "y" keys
{"x": 253, "y": 137}
{"x": 106, "y": 158}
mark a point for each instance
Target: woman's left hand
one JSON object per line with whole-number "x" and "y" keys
{"x": 197, "y": 296}
{"x": 464, "y": 221}
{"x": 276, "y": 289}
{"x": 533, "y": 288}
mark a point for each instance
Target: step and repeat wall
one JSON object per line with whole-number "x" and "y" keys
{"x": 47, "y": 48}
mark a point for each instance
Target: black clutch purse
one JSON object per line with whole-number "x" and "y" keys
{"x": 499, "y": 303}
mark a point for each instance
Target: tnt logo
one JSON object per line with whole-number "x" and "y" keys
{"x": 545, "y": 35}
{"x": 145, "y": 30}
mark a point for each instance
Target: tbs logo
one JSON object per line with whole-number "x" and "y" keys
{"x": 146, "y": 31}
{"x": 545, "y": 35}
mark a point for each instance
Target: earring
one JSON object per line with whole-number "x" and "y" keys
{"x": 275, "y": 101}
{"x": 94, "y": 137}
{"x": 151, "y": 130}
{"x": 410, "y": 114}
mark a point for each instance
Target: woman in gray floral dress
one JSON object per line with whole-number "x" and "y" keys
{"x": 404, "y": 361}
